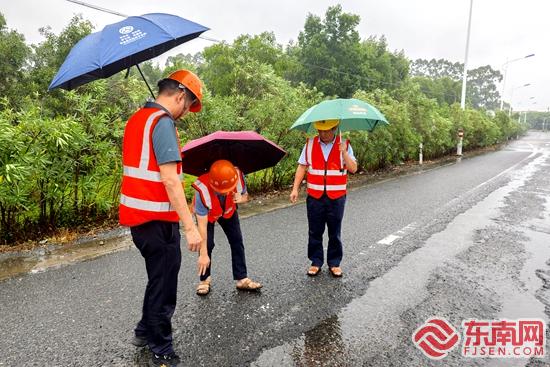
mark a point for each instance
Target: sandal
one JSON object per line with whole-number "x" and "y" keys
{"x": 247, "y": 284}
{"x": 204, "y": 287}
{"x": 336, "y": 272}
{"x": 313, "y": 270}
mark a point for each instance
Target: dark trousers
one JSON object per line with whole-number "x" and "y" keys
{"x": 232, "y": 230}
{"x": 320, "y": 213}
{"x": 159, "y": 244}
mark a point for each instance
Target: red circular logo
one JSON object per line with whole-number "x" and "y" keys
{"x": 435, "y": 338}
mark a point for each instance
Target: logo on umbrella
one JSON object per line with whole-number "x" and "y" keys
{"x": 357, "y": 110}
{"x": 126, "y": 30}
{"x": 134, "y": 36}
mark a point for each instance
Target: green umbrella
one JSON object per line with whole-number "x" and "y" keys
{"x": 353, "y": 114}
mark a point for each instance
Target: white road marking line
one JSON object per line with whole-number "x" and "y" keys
{"x": 388, "y": 240}
{"x": 408, "y": 228}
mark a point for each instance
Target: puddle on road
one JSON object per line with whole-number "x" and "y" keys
{"x": 363, "y": 324}
{"x": 35, "y": 263}
{"x": 525, "y": 304}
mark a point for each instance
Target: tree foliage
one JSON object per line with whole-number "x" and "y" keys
{"x": 14, "y": 55}
{"x": 60, "y": 152}
{"x": 443, "y": 78}
{"x": 333, "y": 59}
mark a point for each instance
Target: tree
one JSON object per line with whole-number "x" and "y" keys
{"x": 482, "y": 87}
{"x": 436, "y": 69}
{"x": 13, "y": 62}
{"x": 46, "y": 59}
{"x": 444, "y": 90}
{"x": 223, "y": 64}
{"x": 539, "y": 120}
{"x": 481, "y": 91}
{"x": 151, "y": 71}
{"x": 380, "y": 67}
{"x": 50, "y": 54}
{"x": 329, "y": 51}
{"x": 334, "y": 60}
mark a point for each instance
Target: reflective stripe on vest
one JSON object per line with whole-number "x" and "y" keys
{"x": 322, "y": 175}
{"x": 143, "y": 195}
{"x": 211, "y": 201}
{"x": 145, "y": 174}
{"x": 240, "y": 182}
{"x": 142, "y": 172}
{"x": 205, "y": 194}
{"x": 328, "y": 187}
{"x": 309, "y": 149}
{"x": 329, "y": 172}
{"x": 151, "y": 206}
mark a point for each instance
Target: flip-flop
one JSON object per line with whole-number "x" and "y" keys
{"x": 249, "y": 285}
{"x": 204, "y": 287}
{"x": 313, "y": 271}
{"x": 336, "y": 271}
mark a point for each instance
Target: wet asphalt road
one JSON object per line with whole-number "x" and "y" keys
{"x": 466, "y": 240}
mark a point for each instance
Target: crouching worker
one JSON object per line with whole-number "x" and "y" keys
{"x": 217, "y": 194}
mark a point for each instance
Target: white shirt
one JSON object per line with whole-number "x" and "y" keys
{"x": 326, "y": 148}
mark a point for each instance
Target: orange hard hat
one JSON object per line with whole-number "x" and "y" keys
{"x": 192, "y": 82}
{"x": 223, "y": 176}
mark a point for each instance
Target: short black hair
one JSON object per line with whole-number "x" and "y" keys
{"x": 168, "y": 86}
{"x": 171, "y": 86}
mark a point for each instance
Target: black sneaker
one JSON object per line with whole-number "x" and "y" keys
{"x": 138, "y": 341}
{"x": 165, "y": 360}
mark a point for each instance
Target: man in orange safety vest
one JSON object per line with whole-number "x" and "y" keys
{"x": 326, "y": 159}
{"x": 217, "y": 194}
{"x": 152, "y": 203}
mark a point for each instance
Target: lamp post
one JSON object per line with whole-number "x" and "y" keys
{"x": 512, "y": 97}
{"x": 525, "y": 114}
{"x": 465, "y": 73}
{"x": 505, "y": 67}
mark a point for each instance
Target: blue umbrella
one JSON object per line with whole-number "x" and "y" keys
{"x": 122, "y": 45}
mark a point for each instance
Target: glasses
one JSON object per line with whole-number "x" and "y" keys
{"x": 190, "y": 94}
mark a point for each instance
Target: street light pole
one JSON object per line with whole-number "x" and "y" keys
{"x": 512, "y": 97}
{"x": 465, "y": 74}
{"x": 505, "y": 67}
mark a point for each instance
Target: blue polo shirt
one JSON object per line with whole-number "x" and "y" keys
{"x": 165, "y": 140}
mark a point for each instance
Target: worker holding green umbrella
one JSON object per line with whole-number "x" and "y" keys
{"x": 326, "y": 159}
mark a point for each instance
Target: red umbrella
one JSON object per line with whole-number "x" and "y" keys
{"x": 247, "y": 150}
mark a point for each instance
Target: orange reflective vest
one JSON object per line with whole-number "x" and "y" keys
{"x": 143, "y": 196}
{"x": 210, "y": 199}
{"x": 325, "y": 176}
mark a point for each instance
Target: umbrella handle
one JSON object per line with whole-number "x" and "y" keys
{"x": 341, "y": 154}
{"x": 145, "y": 80}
